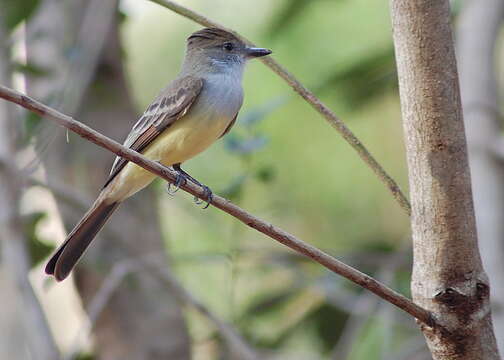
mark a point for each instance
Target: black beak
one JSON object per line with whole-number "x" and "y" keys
{"x": 257, "y": 52}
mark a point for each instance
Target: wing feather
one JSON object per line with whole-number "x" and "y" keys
{"x": 171, "y": 104}
{"x": 229, "y": 126}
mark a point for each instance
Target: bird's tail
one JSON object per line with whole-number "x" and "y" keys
{"x": 69, "y": 253}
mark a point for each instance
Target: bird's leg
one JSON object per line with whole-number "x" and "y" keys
{"x": 207, "y": 192}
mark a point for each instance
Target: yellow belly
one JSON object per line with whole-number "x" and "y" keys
{"x": 185, "y": 139}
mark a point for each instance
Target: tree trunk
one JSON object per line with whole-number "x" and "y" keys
{"x": 478, "y": 28}
{"x": 141, "y": 320}
{"x": 29, "y": 335}
{"x": 448, "y": 277}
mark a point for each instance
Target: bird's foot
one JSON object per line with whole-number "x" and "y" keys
{"x": 179, "y": 181}
{"x": 207, "y": 194}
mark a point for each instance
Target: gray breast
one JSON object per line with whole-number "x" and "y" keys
{"x": 222, "y": 94}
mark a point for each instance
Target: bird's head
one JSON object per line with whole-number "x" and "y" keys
{"x": 220, "y": 48}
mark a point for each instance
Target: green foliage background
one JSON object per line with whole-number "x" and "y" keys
{"x": 284, "y": 163}
{"x": 295, "y": 171}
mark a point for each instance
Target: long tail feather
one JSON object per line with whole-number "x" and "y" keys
{"x": 69, "y": 253}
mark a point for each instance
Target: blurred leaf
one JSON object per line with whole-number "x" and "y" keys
{"x": 31, "y": 69}
{"x": 456, "y": 8}
{"x": 265, "y": 174}
{"x": 378, "y": 246}
{"x": 266, "y": 308}
{"x": 366, "y": 79}
{"x": 38, "y": 249}
{"x": 287, "y": 312}
{"x": 403, "y": 282}
{"x": 121, "y": 16}
{"x": 287, "y": 15}
{"x": 247, "y": 146}
{"x": 369, "y": 342}
{"x": 301, "y": 306}
{"x": 32, "y": 123}
{"x": 329, "y": 323}
{"x": 84, "y": 356}
{"x": 17, "y": 11}
{"x": 269, "y": 303}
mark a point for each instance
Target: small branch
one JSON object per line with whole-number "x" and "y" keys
{"x": 225, "y": 205}
{"x": 311, "y": 99}
{"x": 240, "y": 349}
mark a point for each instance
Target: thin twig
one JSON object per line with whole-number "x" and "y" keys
{"x": 237, "y": 345}
{"x": 310, "y": 98}
{"x": 225, "y": 205}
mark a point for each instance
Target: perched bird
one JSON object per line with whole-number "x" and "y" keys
{"x": 191, "y": 113}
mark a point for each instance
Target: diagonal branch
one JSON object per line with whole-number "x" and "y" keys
{"x": 235, "y": 342}
{"x": 239, "y": 348}
{"x": 225, "y": 205}
{"x": 311, "y": 99}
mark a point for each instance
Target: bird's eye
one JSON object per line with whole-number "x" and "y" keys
{"x": 228, "y": 46}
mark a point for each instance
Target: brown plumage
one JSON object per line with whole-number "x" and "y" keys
{"x": 170, "y": 106}
{"x": 192, "y": 112}
{"x": 79, "y": 239}
{"x": 210, "y": 36}
{"x": 164, "y": 111}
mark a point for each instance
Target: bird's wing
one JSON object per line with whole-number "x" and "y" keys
{"x": 171, "y": 105}
{"x": 229, "y": 126}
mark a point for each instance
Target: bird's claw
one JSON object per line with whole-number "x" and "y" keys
{"x": 179, "y": 180}
{"x": 183, "y": 177}
{"x": 207, "y": 194}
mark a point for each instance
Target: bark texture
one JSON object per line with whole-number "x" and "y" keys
{"x": 477, "y": 31}
{"x": 448, "y": 277}
{"x": 141, "y": 320}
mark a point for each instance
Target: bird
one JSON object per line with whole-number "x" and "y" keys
{"x": 196, "y": 109}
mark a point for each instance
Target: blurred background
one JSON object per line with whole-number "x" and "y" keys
{"x": 168, "y": 280}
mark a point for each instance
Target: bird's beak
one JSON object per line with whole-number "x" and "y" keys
{"x": 257, "y": 52}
